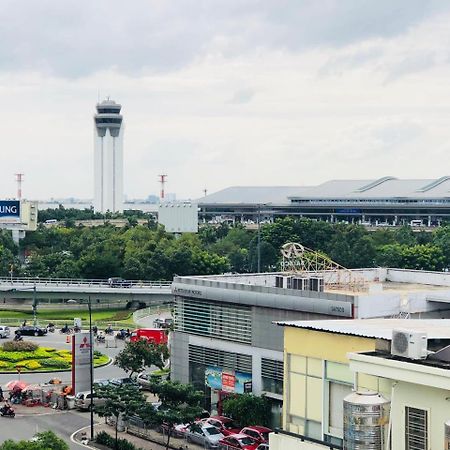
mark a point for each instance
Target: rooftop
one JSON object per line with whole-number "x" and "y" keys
{"x": 376, "y": 328}
{"x": 382, "y": 188}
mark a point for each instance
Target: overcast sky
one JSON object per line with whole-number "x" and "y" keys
{"x": 222, "y": 93}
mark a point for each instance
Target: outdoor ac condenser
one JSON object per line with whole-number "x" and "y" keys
{"x": 409, "y": 344}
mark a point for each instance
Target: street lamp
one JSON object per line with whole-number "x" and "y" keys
{"x": 91, "y": 364}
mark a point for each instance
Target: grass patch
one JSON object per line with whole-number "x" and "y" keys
{"x": 113, "y": 315}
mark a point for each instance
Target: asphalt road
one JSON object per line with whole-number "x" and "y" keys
{"x": 63, "y": 423}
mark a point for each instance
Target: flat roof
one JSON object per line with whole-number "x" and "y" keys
{"x": 375, "y": 328}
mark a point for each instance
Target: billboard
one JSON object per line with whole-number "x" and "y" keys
{"x": 228, "y": 380}
{"x": 81, "y": 362}
{"x": 9, "y": 209}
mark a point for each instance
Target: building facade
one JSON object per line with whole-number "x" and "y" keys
{"x": 108, "y": 157}
{"x": 226, "y": 341}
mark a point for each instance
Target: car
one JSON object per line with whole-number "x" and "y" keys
{"x": 83, "y": 400}
{"x": 204, "y": 435}
{"x": 4, "y": 332}
{"x": 237, "y": 441}
{"x": 143, "y": 379}
{"x": 263, "y": 446}
{"x": 163, "y": 323}
{"x": 31, "y": 330}
{"x": 119, "y": 282}
{"x": 224, "y": 424}
{"x": 125, "y": 382}
{"x": 258, "y": 434}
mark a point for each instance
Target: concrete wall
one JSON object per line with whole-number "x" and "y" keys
{"x": 179, "y": 357}
{"x": 418, "y": 276}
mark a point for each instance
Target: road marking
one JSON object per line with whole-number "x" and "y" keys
{"x": 72, "y": 438}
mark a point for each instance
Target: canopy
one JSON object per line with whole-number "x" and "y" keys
{"x": 15, "y": 385}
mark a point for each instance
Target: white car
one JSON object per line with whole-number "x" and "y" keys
{"x": 204, "y": 435}
{"x": 4, "y": 332}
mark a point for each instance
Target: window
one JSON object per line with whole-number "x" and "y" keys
{"x": 416, "y": 429}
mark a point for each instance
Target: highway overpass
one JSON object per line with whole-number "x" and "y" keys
{"x": 15, "y": 292}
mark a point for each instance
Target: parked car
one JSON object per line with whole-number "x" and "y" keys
{"x": 4, "y": 332}
{"x": 264, "y": 446}
{"x": 237, "y": 441}
{"x": 125, "y": 382}
{"x": 258, "y": 434}
{"x": 83, "y": 400}
{"x": 31, "y": 330}
{"x": 204, "y": 435}
{"x": 224, "y": 424}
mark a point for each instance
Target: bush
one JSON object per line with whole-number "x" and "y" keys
{"x": 19, "y": 346}
{"x": 3, "y": 364}
{"x": 104, "y": 438}
{"x": 57, "y": 363}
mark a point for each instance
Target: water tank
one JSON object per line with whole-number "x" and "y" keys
{"x": 366, "y": 418}
{"x": 447, "y": 435}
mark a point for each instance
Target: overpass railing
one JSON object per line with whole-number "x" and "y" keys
{"x": 27, "y": 281}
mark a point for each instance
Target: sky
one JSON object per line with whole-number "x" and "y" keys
{"x": 220, "y": 93}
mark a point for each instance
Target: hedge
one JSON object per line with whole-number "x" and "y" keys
{"x": 104, "y": 438}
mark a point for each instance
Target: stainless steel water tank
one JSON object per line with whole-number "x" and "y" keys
{"x": 366, "y": 418}
{"x": 447, "y": 435}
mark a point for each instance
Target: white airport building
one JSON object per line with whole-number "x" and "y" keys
{"x": 108, "y": 157}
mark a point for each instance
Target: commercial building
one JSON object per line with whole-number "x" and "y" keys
{"x": 225, "y": 340}
{"x": 108, "y": 157}
{"x": 384, "y": 201}
{"x": 325, "y": 361}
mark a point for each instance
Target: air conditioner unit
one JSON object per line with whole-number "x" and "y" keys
{"x": 409, "y": 344}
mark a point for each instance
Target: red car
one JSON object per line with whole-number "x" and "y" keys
{"x": 258, "y": 434}
{"x": 224, "y": 424}
{"x": 238, "y": 442}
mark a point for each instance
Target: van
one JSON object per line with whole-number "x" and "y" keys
{"x": 416, "y": 223}
{"x": 49, "y": 221}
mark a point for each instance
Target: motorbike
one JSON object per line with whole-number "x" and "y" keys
{"x": 7, "y": 412}
{"x": 18, "y": 338}
{"x": 66, "y": 330}
{"x": 100, "y": 338}
{"x": 51, "y": 328}
{"x": 109, "y": 331}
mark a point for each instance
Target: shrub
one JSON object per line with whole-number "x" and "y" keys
{"x": 104, "y": 438}
{"x": 20, "y": 346}
{"x": 3, "y": 364}
{"x": 57, "y": 363}
{"x": 32, "y": 365}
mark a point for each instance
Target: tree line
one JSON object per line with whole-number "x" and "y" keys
{"x": 147, "y": 252}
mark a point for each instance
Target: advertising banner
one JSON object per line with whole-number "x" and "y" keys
{"x": 81, "y": 362}
{"x": 9, "y": 210}
{"x": 228, "y": 380}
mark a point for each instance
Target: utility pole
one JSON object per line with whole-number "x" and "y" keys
{"x": 162, "y": 180}
{"x": 205, "y": 191}
{"x": 259, "y": 238}
{"x": 19, "y": 179}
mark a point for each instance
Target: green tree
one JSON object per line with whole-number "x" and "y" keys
{"x": 180, "y": 403}
{"x": 121, "y": 402}
{"x": 138, "y": 355}
{"x": 46, "y": 440}
{"x": 247, "y": 409}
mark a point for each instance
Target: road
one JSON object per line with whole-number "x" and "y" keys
{"x": 64, "y": 423}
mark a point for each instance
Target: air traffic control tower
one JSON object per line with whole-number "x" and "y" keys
{"x": 108, "y": 157}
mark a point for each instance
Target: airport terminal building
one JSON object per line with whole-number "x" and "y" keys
{"x": 225, "y": 340}
{"x": 384, "y": 201}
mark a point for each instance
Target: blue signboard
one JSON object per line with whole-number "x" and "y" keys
{"x": 10, "y": 209}
{"x": 229, "y": 381}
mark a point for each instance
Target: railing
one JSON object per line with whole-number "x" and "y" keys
{"x": 151, "y": 310}
{"x": 302, "y": 438}
{"x": 64, "y": 282}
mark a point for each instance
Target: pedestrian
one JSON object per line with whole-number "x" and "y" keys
{"x": 1, "y": 394}
{"x": 24, "y": 323}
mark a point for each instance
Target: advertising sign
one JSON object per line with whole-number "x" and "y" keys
{"x": 9, "y": 210}
{"x": 228, "y": 380}
{"x": 81, "y": 362}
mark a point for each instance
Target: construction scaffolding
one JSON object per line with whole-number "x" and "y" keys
{"x": 306, "y": 263}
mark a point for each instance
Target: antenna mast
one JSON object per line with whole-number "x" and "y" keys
{"x": 162, "y": 180}
{"x": 19, "y": 179}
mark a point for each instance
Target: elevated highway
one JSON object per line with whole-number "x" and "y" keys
{"x": 17, "y": 291}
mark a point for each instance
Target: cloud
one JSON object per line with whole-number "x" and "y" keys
{"x": 242, "y": 96}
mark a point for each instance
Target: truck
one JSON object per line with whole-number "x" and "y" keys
{"x": 156, "y": 335}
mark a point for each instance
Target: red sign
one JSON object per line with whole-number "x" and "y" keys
{"x": 228, "y": 382}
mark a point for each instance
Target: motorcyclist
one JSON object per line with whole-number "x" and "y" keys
{"x": 18, "y": 336}
{"x": 65, "y": 328}
{"x": 95, "y": 330}
{"x": 109, "y": 330}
